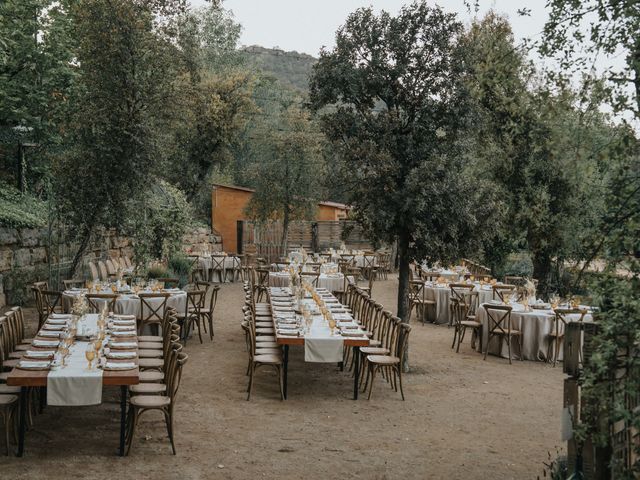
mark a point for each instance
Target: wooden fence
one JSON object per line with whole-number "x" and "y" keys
{"x": 312, "y": 235}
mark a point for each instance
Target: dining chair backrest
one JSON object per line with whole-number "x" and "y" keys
{"x": 97, "y": 301}
{"x": 122, "y": 262}
{"x": 502, "y": 292}
{"x": 369, "y": 261}
{"x": 93, "y": 272}
{"x": 347, "y": 257}
{"x": 218, "y": 262}
{"x": 429, "y": 276}
{"x": 3, "y": 340}
{"x": 459, "y": 290}
{"x": 514, "y": 280}
{"x": 50, "y": 300}
{"x": 416, "y": 289}
{"x": 104, "y": 275}
{"x": 111, "y": 268}
{"x": 19, "y": 323}
{"x": 499, "y": 317}
{"x": 281, "y": 266}
{"x": 127, "y": 260}
{"x": 152, "y": 307}
{"x": 262, "y": 277}
{"x": 562, "y": 313}
{"x": 195, "y": 301}
{"x": 310, "y": 277}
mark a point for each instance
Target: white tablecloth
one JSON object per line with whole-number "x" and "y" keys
{"x": 535, "y": 325}
{"x": 442, "y": 296}
{"x": 332, "y": 282}
{"x": 74, "y": 385}
{"x": 129, "y": 304}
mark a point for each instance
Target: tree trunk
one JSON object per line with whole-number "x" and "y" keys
{"x": 541, "y": 270}
{"x": 84, "y": 242}
{"x": 403, "y": 287}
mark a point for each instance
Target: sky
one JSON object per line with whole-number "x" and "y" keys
{"x": 307, "y": 25}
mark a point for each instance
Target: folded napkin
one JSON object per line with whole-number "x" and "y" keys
{"x": 45, "y": 333}
{"x": 124, "y": 322}
{"x": 347, "y": 325}
{"x": 119, "y": 366}
{"x": 125, "y": 317}
{"x": 285, "y": 326}
{"x": 287, "y": 333}
{"x": 33, "y": 364}
{"x": 56, "y": 321}
{"x": 346, "y": 333}
{"x": 123, "y": 345}
{"x": 39, "y": 353}
{"x": 121, "y": 355}
{"x": 281, "y": 321}
{"x": 45, "y": 343}
{"x": 120, "y": 333}
{"x": 60, "y": 315}
{"x": 46, "y": 326}
{"x": 123, "y": 328}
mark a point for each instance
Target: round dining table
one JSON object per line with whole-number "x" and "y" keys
{"x": 535, "y": 325}
{"x": 441, "y": 294}
{"x": 334, "y": 282}
{"x": 129, "y": 303}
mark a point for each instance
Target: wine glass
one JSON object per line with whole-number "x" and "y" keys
{"x": 63, "y": 349}
{"x": 90, "y": 354}
{"x": 332, "y": 324}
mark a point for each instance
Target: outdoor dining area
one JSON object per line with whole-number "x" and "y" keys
{"x": 503, "y": 318}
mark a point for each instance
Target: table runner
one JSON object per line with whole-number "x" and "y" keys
{"x": 74, "y": 385}
{"x": 320, "y": 346}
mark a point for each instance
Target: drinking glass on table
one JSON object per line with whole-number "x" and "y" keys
{"x": 90, "y": 354}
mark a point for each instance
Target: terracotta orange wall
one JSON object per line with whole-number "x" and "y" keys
{"x": 326, "y": 212}
{"x": 228, "y": 207}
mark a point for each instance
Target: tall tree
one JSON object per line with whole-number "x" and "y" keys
{"x": 288, "y": 170}
{"x": 398, "y": 113}
{"x": 126, "y": 56}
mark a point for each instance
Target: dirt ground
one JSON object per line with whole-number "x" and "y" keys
{"x": 463, "y": 418}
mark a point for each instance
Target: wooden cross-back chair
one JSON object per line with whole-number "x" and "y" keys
{"x": 169, "y": 282}
{"x": 310, "y": 277}
{"x": 97, "y": 301}
{"x": 502, "y": 292}
{"x": 418, "y": 299}
{"x": 51, "y": 303}
{"x": 464, "y": 316}
{"x": 500, "y": 325}
{"x": 391, "y": 363}
{"x": 152, "y": 307}
{"x": 93, "y": 272}
{"x": 73, "y": 283}
{"x": 557, "y": 333}
{"x": 218, "y": 268}
{"x": 192, "y": 313}
{"x": 211, "y": 292}
{"x": 102, "y": 268}
{"x": 458, "y": 292}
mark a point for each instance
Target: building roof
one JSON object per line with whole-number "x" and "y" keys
{"x": 251, "y": 190}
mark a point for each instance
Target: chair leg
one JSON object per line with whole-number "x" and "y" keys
{"x": 133, "y": 420}
{"x": 455, "y": 333}
{"x": 281, "y": 381}
{"x": 460, "y": 336}
{"x": 373, "y": 376}
{"x": 168, "y": 418}
{"x": 399, "y": 369}
{"x": 210, "y": 320}
{"x": 509, "y": 347}
{"x": 199, "y": 329}
{"x": 253, "y": 369}
{"x": 486, "y": 349}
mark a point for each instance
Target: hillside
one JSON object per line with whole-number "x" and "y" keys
{"x": 291, "y": 68}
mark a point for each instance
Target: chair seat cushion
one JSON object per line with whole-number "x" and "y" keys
{"x": 503, "y": 334}
{"x": 265, "y": 338}
{"x": 23, "y": 347}
{"x": 15, "y": 355}
{"x": 148, "y": 388}
{"x": 149, "y": 338}
{"x": 150, "y": 345}
{"x": 150, "y": 401}
{"x": 260, "y": 344}
{"x": 267, "y": 351}
{"x": 150, "y": 363}
{"x": 8, "y": 399}
{"x": 375, "y": 343}
{"x": 471, "y": 323}
{"x": 374, "y": 350}
{"x": 265, "y": 331}
{"x": 151, "y": 376}
{"x": 6, "y": 389}
{"x": 149, "y": 353}
{"x": 383, "y": 359}
{"x": 10, "y": 363}
{"x": 268, "y": 359}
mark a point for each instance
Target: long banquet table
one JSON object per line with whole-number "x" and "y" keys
{"x": 283, "y": 314}
{"x": 28, "y": 379}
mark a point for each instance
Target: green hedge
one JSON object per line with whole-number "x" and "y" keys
{"x": 20, "y": 211}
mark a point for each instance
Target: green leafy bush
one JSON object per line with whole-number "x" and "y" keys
{"x": 180, "y": 268}
{"x": 157, "y": 271}
{"x": 19, "y": 210}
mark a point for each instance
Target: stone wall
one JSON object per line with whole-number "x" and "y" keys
{"x": 26, "y": 257}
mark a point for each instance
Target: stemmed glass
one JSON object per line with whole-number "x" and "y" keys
{"x": 90, "y": 354}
